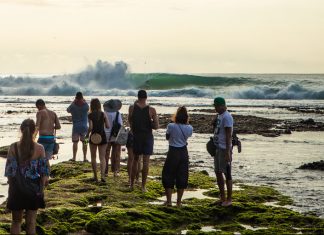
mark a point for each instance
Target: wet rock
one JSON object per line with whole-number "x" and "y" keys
{"x": 313, "y": 166}
{"x": 316, "y": 110}
{"x": 243, "y": 124}
{"x": 4, "y": 151}
{"x": 308, "y": 121}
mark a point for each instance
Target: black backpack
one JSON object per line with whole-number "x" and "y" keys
{"x": 115, "y": 127}
{"x": 236, "y": 142}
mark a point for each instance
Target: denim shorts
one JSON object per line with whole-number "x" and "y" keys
{"x": 48, "y": 144}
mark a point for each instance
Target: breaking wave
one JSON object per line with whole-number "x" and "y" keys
{"x": 107, "y": 79}
{"x": 292, "y": 91}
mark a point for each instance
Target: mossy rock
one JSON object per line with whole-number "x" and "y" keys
{"x": 4, "y": 228}
{"x": 68, "y": 169}
{"x": 73, "y": 207}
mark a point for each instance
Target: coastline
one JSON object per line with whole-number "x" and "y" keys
{"x": 77, "y": 206}
{"x": 243, "y": 124}
{"x": 84, "y": 209}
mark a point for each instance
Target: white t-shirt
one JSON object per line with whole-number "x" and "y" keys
{"x": 223, "y": 120}
{"x": 111, "y": 118}
{"x": 179, "y": 134}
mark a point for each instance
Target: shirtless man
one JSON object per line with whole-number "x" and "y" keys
{"x": 142, "y": 119}
{"x": 46, "y": 124}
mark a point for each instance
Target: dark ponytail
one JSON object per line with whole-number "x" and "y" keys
{"x": 26, "y": 148}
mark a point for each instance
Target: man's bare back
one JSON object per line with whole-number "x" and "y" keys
{"x": 46, "y": 122}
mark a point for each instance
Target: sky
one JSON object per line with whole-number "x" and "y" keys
{"x": 174, "y": 36}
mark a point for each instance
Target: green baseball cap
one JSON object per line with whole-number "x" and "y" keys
{"x": 219, "y": 101}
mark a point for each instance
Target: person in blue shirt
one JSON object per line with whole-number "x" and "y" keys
{"x": 79, "y": 110}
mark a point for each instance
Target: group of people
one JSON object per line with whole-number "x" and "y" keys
{"x": 102, "y": 123}
{"x": 98, "y": 127}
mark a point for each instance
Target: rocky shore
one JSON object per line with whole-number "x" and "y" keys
{"x": 76, "y": 205}
{"x": 244, "y": 124}
{"x": 313, "y": 166}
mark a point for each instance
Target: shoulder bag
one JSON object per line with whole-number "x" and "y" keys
{"x": 122, "y": 136}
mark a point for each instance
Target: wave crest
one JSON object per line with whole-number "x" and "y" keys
{"x": 292, "y": 91}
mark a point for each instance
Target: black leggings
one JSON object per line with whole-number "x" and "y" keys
{"x": 176, "y": 168}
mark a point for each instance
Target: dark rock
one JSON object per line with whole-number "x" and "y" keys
{"x": 308, "y": 121}
{"x": 4, "y": 151}
{"x": 204, "y": 172}
{"x": 11, "y": 112}
{"x": 313, "y": 166}
{"x": 202, "y": 123}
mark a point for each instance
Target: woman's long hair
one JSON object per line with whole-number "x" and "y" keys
{"x": 181, "y": 116}
{"x": 26, "y": 148}
{"x": 95, "y": 105}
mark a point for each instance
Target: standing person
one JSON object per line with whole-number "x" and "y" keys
{"x": 176, "y": 167}
{"x": 79, "y": 110}
{"x": 47, "y": 123}
{"x": 97, "y": 123}
{"x": 26, "y": 160}
{"x": 130, "y": 158}
{"x": 223, "y": 157}
{"x": 142, "y": 119}
{"x": 112, "y": 108}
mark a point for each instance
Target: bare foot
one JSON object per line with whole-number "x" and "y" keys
{"x": 167, "y": 204}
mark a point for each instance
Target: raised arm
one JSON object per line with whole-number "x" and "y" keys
{"x": 69, "y": 109}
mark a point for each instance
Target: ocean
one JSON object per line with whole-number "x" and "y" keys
{"x": 264, "y": 160}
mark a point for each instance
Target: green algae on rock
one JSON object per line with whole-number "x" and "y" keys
{"x": 75, "y": 205}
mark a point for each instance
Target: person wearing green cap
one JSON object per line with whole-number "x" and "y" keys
{"x": 223, "y": 156}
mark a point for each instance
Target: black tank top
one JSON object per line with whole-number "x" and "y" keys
{"x": 141, "y": 121}
{"x": 98, "y": 122}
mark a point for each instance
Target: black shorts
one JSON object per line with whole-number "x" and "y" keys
{"x": 143, "y": 144}
{"x": 176, "y": 168}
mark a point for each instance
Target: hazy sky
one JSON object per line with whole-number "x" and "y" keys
{"x": 182, "y": 36}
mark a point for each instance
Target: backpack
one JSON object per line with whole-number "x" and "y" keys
{"x": 236, "y": 142}
{"x": 115, "y": 127}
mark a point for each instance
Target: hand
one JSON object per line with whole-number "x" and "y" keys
{"x": 45, "y": 181}
{"x": 228, "y": 156}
